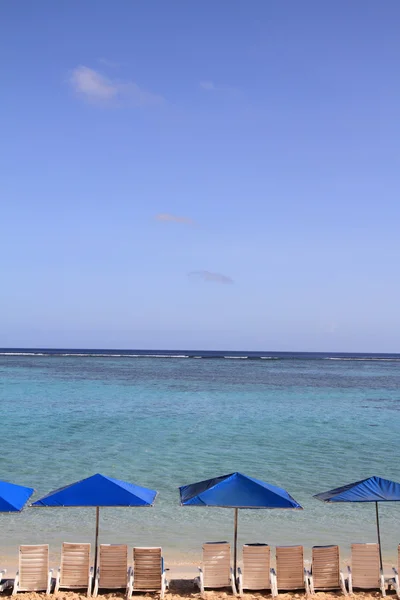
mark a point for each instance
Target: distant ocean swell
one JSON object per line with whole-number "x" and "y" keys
{"x": 203, "y": 355}
{"x": 394, "y": 359}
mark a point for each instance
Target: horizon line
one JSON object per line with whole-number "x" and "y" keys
{"x": 152, "y": 349}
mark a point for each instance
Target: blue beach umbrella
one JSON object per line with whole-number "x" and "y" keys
{"x": 13, "y": 497}
{"x": 99, "y": 491}
{"x": 374, "y": 489}
{"x": 236, "y": 491}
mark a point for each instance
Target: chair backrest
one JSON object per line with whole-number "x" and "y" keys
{"x": 217, "y": 564}
{"x": 256, "y": 566}
{"x": 113, "y": 566}
{"x": 365, "y": 566}
{"x": 290, "y": 567}
{"x": 75, "y": 565}
{"x": 147, "y": 568}
{"x": 33, "y": 567}
{"x": 326, "y": 567}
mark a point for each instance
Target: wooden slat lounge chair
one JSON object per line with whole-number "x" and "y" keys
{"x": 148, "y": 574}
{"x": 256, "y": 572}
{"x": 365, "y": 572}
{"x": 290, "y": 571}
{"x": 325, "y": 573}
{"x": 33, "y": 574}
{"x": 112, "y": 572}
{"x": 216, "y": 571}
{"x": 394, "y": 581}
{"x": 75, "y": 571}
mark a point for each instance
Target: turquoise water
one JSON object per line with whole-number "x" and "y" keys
{"x": 305, "y": 424}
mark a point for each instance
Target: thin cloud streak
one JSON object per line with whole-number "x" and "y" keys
{"x": 209, "y": 276}
{"x": 209, "y": 86}
{"x": 91, "y": 85}
{"x": 109, "y": 63}
{"x": 95, "y": 88}
{"x": 168, "y": 218}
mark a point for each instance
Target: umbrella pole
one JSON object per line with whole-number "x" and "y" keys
{"x": 96, "y": 544}
{"x": 235, "y": 543}
{"x": 379, "y": 534}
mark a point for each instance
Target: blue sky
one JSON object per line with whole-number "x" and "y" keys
{"x": 200, "y": 174}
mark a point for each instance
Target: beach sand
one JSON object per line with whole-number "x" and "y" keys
{"x": 183, "y": 589}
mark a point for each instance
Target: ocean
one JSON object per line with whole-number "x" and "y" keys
{"x": 305, "y": 422}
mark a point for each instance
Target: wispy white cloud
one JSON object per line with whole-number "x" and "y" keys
{"x": 207, "y": 85}
{"x": 94, "y": 87}
{"x": 209, "y": 276}
{"x": 168, "y": 218}
{"x": 109, "y": 63}
{"x": 210, "y": 86}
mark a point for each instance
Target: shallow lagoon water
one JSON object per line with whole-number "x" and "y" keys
{"x": 305, "y": 423}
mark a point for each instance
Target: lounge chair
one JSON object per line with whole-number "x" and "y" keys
{"x": 394, "y": 581}
{"x": 148, "y": 574}
{"x": 325, "y": 573}
{"x": 290, "y": 572}
{"x": 33, "y": 574}
{"x": 256, "y": 573}
{"x": 75, "y": 571}
{"x": 112, "y": 572}
{"x": 216, "y": 571}
{"x": 365, "y": 572}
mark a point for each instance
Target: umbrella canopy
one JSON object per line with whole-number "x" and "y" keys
{"x": 374, "y": 489}
{"x": 99, "y": 491}
{"x": 236, "y": 491}
{"x": 13, "y": 497}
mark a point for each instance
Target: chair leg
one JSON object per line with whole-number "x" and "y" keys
{"x": 240, "y": 582}
{"x": 96, "y": 583}
{"x": 343, "y": 584}
{"x": 163, "y": 585}
{"x": 233, "y": 583}
{"x": 306, "y": 586}
{"x": 16, "y": 584}
{"x": 49, "y": 581}
{"x": 90, "y": 583}
{"x": 274, "y": 585}
{"x": 200, "y": 580}
{"x": 311, "y": 589}
{"x": 57, "y": 585}
{"x": 349, "y": 581}
{"x": 129, "y": 591}
{"x": 382, "y": 579}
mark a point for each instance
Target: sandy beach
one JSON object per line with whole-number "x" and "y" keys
{"x": 181, "y": 586}
{"x": 181, "y": 589}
